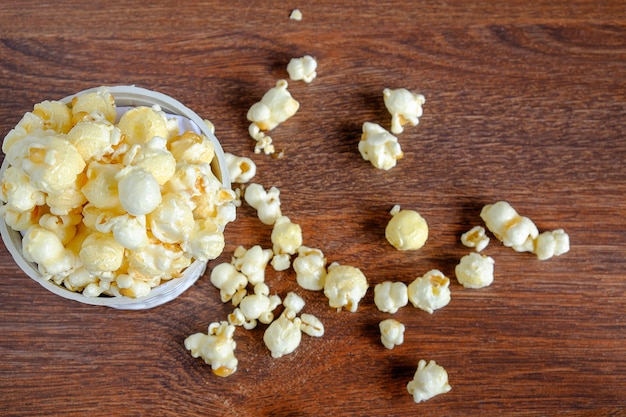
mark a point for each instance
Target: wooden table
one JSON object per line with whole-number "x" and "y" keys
{"x": 525, "y": 102}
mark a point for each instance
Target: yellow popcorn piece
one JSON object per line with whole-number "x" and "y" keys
{"x": 407, "y": 229}
{"x": 345, "y": 286}
{"x": 140, "y": 124}
{"x": 192, "y": 148}
{"x": 97, "y": 105}
{"x": 216, "y": 348}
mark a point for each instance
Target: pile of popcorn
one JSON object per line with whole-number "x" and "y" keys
{"x": 112, "y": 208}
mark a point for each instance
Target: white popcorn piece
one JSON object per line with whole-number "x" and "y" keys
{"x": 406, "y": 230}
{"x": 429, "y": 380}
{"x": 293, "y": 302}
{"x": 552, "y": 243}
{"x": 140, "y": 124}
{"x": 252, "y": 262}
{"x": 260, "y": 305}
{"x": 92, "y": 106}
{"x": 44, "y": 247}
{"x": 389, "y": 296}
{"x": 310, "y": 268}
{"x": 475, "y": 238}
{"x": 240, "y": 169}
{"x": 18, "y": 192}
{"x": 205, "y": 242}
{"x": 281, "y": 262}
{"x": 128, "y": 286}
{"x": 228, "y": 280}
{"x": 156, "y": 261}
{"x": 154, "y": 157}
{"x": 283, "y": 335}
{"x": 475, "y": 270}
{"x": 54, "y": 114}
{"x": 94, "y": 139}
{"x": 430, "y": 292}
{"x": 129, "y": 231}
{"x": 345, "y": 286}
{"x": 139, "y": 192}
{"x": 267, "y": 203}
{"x": 217, "y": 348}
{"x": 172, "y": 220}
{"x": 311, "y": 325}
{"x": 63, "y": 226}
{"x": 302, "y": 69}
{"x": 101, "y": 254}
{"x": 79, "y": 279}
{"x": 101, "y": 187}
{"x": 509, "y": 227}
{"x": 70, "y": 199}
{"x": 391, "y": 333}
{"x": 296, "y": 14}
{"x": 286, "y": 236}
{"x": 192, "y": 148}
{"x": 404, "y": 106}
{"x": 379, "y": 146}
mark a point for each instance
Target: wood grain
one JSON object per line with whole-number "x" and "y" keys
{"x": 525, "y": 102}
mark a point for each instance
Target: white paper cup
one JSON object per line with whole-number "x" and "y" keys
{"x": 129, "y": 96}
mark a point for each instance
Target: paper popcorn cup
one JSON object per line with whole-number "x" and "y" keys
{"x": 129, "y": 96}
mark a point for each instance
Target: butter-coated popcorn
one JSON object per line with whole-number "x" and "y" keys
{"x": 345, "y": 286}
{"x": 172, "y": 220}
{"x": 140, "y": 124}
{"x": 70, "y": 199}
{"x": 293, "y": 302}
{"x": 21, "y": 220}
{"x": 407, "y": 229}
{"x": 154, "y": 157}
{"x": 139, "y": 191}
{"x": 475, "y": 270}
{"x": 430, "y": 291}
{"x": 391, "y": 333}
{"x": 283, "y": 335}
{"x": 192, "y": 148}
{"x": 404, "y": 106}
{"x": 157, "y": 261}
{"x": 217, "y": 348}
{"x": 101, "y": 187}
{"x": 55, "y": 115}
{"x": 513, "y": 230}
{"x": 252, "y": 262}
{"x": 311, "y": 325}
{"x": 260, "y": 305}
{"x": 429, "y": 380}
{"x": 206, "y": 241}
{"x": 475, "y": 238}
{"x": 379, "y": 146}
{"x": 44, "y": 247}
{"x": 240, "y": 169}
{"x": 94, "y": 140}
{"x": 129, "y": 231}
{"x": 228, "y": 280}
{"x": 310, "y": 268}
{"x": 96, "y": 105}
{"x": 64, "y": 226}
{"x": 302, "y": 69}
{"x": 266, "y": 203}
{"x": 101, "y": 254}
{"x": 286, "y": 236}
{"x": 389, "y": 296}
{"x": 552, "y": 243}
{"x": 281, "y": 262}
{"x": 17, "y": 191}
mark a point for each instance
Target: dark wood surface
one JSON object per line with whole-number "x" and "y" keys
{"x": 525, "y": 102}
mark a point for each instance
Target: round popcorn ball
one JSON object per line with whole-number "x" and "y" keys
{"x": 407, "y": 229}
{"x": 345, "y": 286}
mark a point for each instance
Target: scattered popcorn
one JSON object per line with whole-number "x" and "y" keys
{"x": 345, "y": 286}
{"x": 391, "y": 333}
{"x": 553, "y": 243}
{"x": 276, "y": 106}
{"x": 228, "y": 280}
{"x": 240, "y": 169}
{"x": 217, "y": 348}
{"x": 286, "y": 236}
{"x": 267, "y": 203}
{"x": 379, "y": 147}
{"x": 475, "y": 238}
{"x": 296, "y": 14}
{"x": 302, "y": 69}
{"x": 260, "y": 305}
{"x": 509, "y": 227}
{"x": 475, "y": 270}
{"x": 407, "y": 229}
{"x": 281, "y": 262}
{"x": 405, "y": 108}
{"x": 390, "y": 296}
{"x": 293, "y": 302}
{"x": 310, "y": 268}
{"x": 429, "y": 380}
{"x": 283, "y": 335}
{"x": 430, "y": 291}
{"x": 252, "y": 262}
{"x": 311, "y": 325}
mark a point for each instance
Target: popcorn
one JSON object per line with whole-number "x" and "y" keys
{"x": 140, "y": 124}
{"x": 54, "y": 115}
{"x": 302, "y": 69}
{"x": 293, "y": 302}
{"x": 172, "y": 220}
{"x": 475, "y": 270}
{"x": 311, "y": 325}
{"x": 217, "y": 348}
{"x": 407, "y": 229}
{"x": 405, "y": 108}
{"x": 509, "y": 227}
{"x": 44, "y": 247}
{"x": 101, "y": 187}
{"x": 283, "y": 335}
{"x": 552, "y": 243}
{"x": 101, "y": 254}
{"x": 389, "y": 296}
{"x": 157, "y": 261}
{"x": 96, "y": 105}
{"x": 192, "y": 148}
{"x": 379, "y": 147}
{"x": 18, "y": 192}
{"x": 129, "y": 231}
{"x": 286, "y": 236}
{"x": 63, "y": 226}
{"x": 260, "y": 305}
{"x": 240, "y": 169}
{"x": 252, "y": 262}
{"x": 206, "y": 241}
{"x": 139, "y": 191}
{"x": 430, "y": 291}
{"x": 296, "y": 14}
{"x": 94, "y": 140}
{"x": 281, "y": 262}
{"x": 429, "y": 380}
{"x": 276, "y": 106}
{"x": 475, "y": 238}
{"x": 391, "y": 333}
{"x": 154, "y": 157}
{"x": 345, "y": 286}
{"x": 228, "y": 280}
{"x": 310, "y": 268}
{"x": 267, "y": 203}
